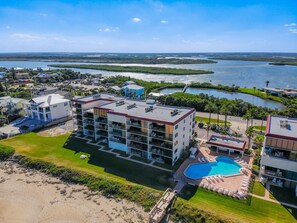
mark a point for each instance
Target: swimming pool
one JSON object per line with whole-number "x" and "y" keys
{"x": 222, "y": 166}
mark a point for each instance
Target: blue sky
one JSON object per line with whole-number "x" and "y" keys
{"x": 148, "y": 26}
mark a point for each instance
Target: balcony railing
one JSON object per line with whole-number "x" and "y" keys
{"x": 138, "y": 146}
{"x": 157, "y": 135}
{"x": 139, "y": 139}
{"x": 101, "y": 120}
{"x": 117, "y": 126}
{"x": 136, "y": 131}
{"x": 121, "y": 134}
{"x": 158, "y": 128}
{"x": 117, "y": 140}
{"x": 102, "y": 133}
{"x": 161, "y": 152}
{"x": 103, "y": 127}
{"x": 161, "y": 144}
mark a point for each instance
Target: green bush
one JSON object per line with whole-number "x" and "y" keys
{"x": 109, "y": 188}
{"x": 6, "y": 152}
{"x": 182, "y": 212}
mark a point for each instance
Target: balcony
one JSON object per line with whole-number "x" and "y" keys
{"x": 159, "y": 128}
{"x": 101, "y": 120}
{"x": 161, "y": 152}
{"x": 137, "y": 138}
{"x": 158, "y": 135}
{"x": 137, "y": 131}
{"x": 102, "y": 127}
{"x": 138, "y": 146}
{"x": 117, "y": 126}
{"x": 278, "y": 162}
{"x": 90, "y": 128}
{"x": 88, "y": 122}
{"x": 118, "y": 133}
{"x": 76, "y": 105}
{"x": 102, "y": 133}
{"x": 161, "y": 144}
{"x": 89, "y": 116}
{"x": 117, "y": 140}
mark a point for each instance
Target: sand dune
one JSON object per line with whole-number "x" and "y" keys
{"x": 30, "y": 196}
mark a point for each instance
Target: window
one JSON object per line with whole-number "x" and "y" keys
{"x": 183, "y": 143}
{"x": 66, "y": 104}
{"x": 176, "y": 142}
{"x": 183, "y": 136}
{"x": 176, "y": 134}
{"x": 175, "y": 151}
{"x": 184, "y": 128}
{"x": 55, "y": 106}
{"x": 176, "y": 127}
{"x": 184, "y": 120}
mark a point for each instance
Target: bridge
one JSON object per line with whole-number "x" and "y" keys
{"x": 161, "y": 207}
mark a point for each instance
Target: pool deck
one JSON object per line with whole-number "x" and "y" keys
{"x": 233, "y": 183}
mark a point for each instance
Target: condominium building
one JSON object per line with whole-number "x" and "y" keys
{"x": 279, "y": 153}
{"x": 47, "y": 108}
{"x": 143, "y": 128}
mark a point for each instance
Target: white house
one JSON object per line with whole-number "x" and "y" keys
{"x": 48, "y": 107}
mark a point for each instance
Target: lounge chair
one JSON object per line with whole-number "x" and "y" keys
{"x": 220, "y": 190}
{"x": 226, "y": 192}
{"x": 203, "y": 160}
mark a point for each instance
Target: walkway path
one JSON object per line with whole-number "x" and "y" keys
{"x": 274, "y": 201}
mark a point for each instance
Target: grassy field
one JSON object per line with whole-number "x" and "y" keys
{"x": 258, "y": 189}
{"x": 260, "y": 94}
{"x": 136, "y": 69}
{"x": 258, "y": 127}
{"x": 212, "y": 120}
{"x": 255, "y": 210}
{"x": 294, "y": 63}
{"x": 65, "y": 151}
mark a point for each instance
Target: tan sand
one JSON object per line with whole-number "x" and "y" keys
{"x": 31, "y": 196}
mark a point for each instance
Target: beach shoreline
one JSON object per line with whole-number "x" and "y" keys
{"x": 31, "y": 196}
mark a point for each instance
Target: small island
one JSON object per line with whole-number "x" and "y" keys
{"x": 135, "y": 69}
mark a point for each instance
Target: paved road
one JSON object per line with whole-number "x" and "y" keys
{"x": 238, "y": 124}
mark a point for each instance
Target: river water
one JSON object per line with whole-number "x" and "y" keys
{"x": 226, "y": 72}
{"x": 229, "y": 95}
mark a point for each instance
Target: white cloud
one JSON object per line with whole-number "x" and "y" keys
{"x": 109, "y": 29}
{"x": 43, "y": 14}
{"x": 25, "y": 36}
{"x": 7, "y": 27}
{"x": 156, "y": 38}
{"x": 290, "y": 24}
{"x": 293, "y": 30}
{"x": 136, "y": 20}
{"x": 163, "y": 21}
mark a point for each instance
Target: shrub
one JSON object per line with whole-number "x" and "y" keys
{"x": 6, "y": 152}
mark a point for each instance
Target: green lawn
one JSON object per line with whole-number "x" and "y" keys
{"x": 255, "y": 210}
{"x": 260, "y": 94}
{"x": 258, "y": 189}
{"x": 258, "y": 127}
{"x": 212, "y": 120}
{"x": 65, "y": 150}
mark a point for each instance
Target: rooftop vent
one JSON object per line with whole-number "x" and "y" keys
{"x": 174, "y": 112}
{"x": 131, "y": 106}
{"x": 96, "y": 96}
{"x": 119, "y": 103}
{"x": 148, "y": 109}
{"x": 285, "y": 124}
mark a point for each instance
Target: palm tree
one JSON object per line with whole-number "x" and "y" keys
{"x": 267, "y": 83}
{"x": 249, "y": 132}
{"x": 247, "y": 117}
{"x": 263, "y": 116}
{"x": 210, "y": 108}
{"x": 225, "y": 110}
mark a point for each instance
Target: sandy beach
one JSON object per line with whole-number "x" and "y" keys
{"x": 31, "y": 196}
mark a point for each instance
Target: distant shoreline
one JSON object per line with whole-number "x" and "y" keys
{"x": 135, "y": 69}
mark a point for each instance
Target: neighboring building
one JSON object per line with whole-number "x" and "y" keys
{"x": 50, "y": 90}
{"x": 11, "y": 105}
{"x": 143, "y": 128}
{"x": 225, "y": 144}
{"x": 2, "y": 75}
{"x": 292, "y": 92}
{"x": 279, "y": 153}
{"x": 24, "y": 75}
{"x": 133, "y": 91}
{"x": 48, "y": 108}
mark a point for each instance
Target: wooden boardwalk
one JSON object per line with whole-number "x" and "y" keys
{"x": 161, "y": 207}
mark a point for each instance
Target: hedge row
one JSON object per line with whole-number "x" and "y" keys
{"x": 109, "y": 188}
{"x": 6, "y": 152}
